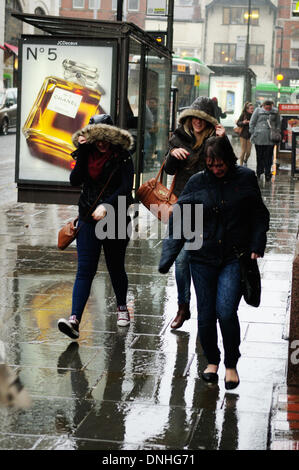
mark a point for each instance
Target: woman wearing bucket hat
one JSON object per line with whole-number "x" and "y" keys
{"x": 185, "y": 157}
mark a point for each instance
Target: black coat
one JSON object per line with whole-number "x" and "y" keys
{"x": 120, "y": 184}
{"x": 245, "y": 127}
{"x": 184, "y": 169}
{"x": 234, "y": 218}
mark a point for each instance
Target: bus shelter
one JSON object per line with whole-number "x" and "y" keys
{"x": 77, "y": 69}
{"x": 232, "y": 85}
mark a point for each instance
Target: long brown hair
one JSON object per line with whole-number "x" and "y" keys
{"x": 206, "y": 132}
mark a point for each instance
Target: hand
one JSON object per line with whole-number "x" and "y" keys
{"x": 180, "y": 153}
{"x": 255, "y": 255}
{"x": 82, "y": 139}
{"x": 99, "y": 213}
{"x": 220, "y": 131}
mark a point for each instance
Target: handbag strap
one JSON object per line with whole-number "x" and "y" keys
{"x": 97, "y": 199}
{"x": 160, "y": 175}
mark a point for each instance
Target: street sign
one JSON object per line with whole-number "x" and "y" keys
{"x": 156, "y": 8}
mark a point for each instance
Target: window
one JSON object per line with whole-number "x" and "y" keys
{"x": 293, "y": 7}
{"x": 78, "y": 3}
{"x": 183, "y": 3}
{"x": 133, "y": 5}
{"x": 239, "y": 15}
{"x": 294, "y": 57}
{"x": 256, "y": 54}
{"x": 92, "y": 4}
{"x": 224, "y": 53}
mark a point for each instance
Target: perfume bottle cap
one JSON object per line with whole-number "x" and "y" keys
{"x": 80, "y": 73}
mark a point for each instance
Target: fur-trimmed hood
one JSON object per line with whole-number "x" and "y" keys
{"x": 201, "y": 108}
{"x": 98, "y": 132}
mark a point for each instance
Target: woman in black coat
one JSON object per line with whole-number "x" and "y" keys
{"x": 243, "y": 122}
{"x": 102, "y": 155}
{"x": 235, "y": 220}
{"x": 185, "y": 157}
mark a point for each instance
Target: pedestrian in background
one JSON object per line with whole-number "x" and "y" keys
{"x": 102, "y": 151}
{"x": 259, "y": 128}
{"x": 235, "y": 220}
{"x": 219, "y": 114}
{"x": 185, "y": 157}
{"x": 243, "y": 122}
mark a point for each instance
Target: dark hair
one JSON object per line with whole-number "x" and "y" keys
{"x": 268, "y": 102}
{"x": 220, "y": 148}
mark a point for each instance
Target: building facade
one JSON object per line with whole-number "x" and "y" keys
{"x": 227, "y": 34}
{"x": 215, "y": 31}
{"x": 287, "y": 43}
{"x": 11, "y": 30}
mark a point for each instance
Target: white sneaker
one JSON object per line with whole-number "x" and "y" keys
{"x": 69, "y": 327}
{"x": 123, "y": 318}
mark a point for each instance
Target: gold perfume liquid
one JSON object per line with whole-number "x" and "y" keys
{"x": 60, "y": 109}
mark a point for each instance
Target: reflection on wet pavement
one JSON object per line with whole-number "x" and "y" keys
{"x": 137, "y": 387}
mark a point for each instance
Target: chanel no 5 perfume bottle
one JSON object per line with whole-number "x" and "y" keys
{"x": 62, "y": 106}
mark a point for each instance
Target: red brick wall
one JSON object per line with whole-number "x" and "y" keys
{"x": 104, "y": 13}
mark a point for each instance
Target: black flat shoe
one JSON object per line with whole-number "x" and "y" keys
{"x": 211, "y": 377}
{"x": 230, "y": 385}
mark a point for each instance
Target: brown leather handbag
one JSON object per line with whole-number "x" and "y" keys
{"x": 158, "y": 199}
{"x": 67, "y": 234}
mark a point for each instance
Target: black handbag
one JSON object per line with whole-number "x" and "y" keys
{"x": 250, "y": 279}
{"x": 275, "y": 135}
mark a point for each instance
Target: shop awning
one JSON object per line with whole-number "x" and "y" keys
{"x": 11, "y": 48}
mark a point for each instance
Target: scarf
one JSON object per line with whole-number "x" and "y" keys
{"x": 96, "y": 162}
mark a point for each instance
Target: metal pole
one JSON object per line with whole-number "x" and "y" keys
{"x": 169, "y": 43}
{"x": 119, "y": 13}
{"x": 247, "y": 81}
{"x": 280, "y": 62}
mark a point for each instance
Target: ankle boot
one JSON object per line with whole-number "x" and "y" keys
{"x": 182, "y": 315}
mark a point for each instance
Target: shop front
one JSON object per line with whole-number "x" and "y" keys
{"x": 82, "y": 68}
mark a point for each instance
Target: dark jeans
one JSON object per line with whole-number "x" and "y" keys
{"x": 183, "y": 277}
{"x": 89, "y": 250}
{"x": 218, "y": 292}
{"x": 264, "y": 159}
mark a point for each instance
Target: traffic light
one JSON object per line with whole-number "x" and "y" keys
{"x": 279, "y": 77}
{"x": 159, "y": 36}
{"x": 296, "y": 11}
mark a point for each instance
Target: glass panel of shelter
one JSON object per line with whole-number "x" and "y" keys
{"x": 155, "y": 129}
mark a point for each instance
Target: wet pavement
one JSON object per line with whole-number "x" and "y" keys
{"x": 139, "y": 388}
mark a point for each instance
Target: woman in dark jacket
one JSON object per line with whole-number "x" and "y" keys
{"x": 185, "y": 158}
{"x": 235, "y": 220}
{"x": 102, "y": 154}
{"x": 243, "y": 122}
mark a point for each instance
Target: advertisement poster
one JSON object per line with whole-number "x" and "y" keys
{"x": 63, "y": 83}
{"x": 229, "y": 92}
{"x": 289, "y": 115}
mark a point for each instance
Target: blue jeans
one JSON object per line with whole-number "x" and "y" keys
{"x": 183, "y": 277}
{"x": 218, "y": 292}
{"x": 89, "y": 250}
